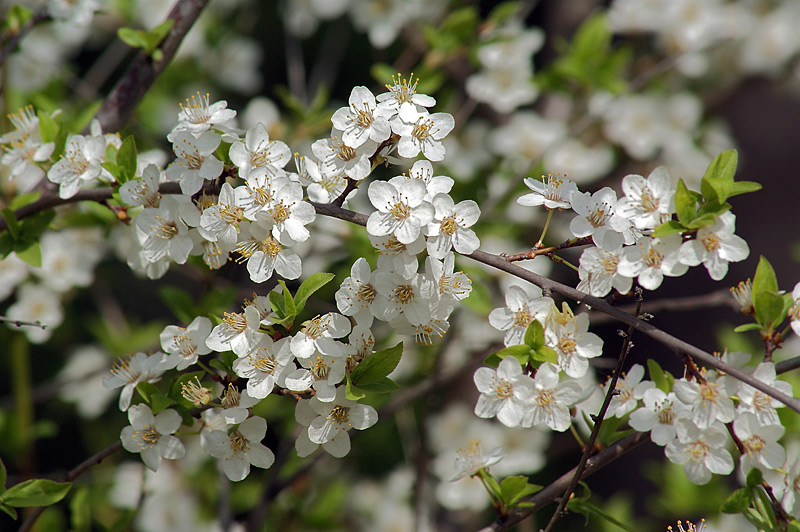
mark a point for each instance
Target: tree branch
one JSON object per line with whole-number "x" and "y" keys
{"x": 70, "y": 476}
{"x": 142, "y": 73}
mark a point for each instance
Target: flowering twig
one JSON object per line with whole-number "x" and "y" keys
{"x": 556, "y": 488}
{"x": 598, "y": 421}
{"x": 70, "y": 476}
{"x": 142, "y": 73}
{"x": 536, "y": 250}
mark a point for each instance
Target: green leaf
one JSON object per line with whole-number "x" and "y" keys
{"x": 546, "y": 354}
{"x": 24, "y": 199}
{"x": 737, "y": 502}
{"x": 718, "y": 179}
{"x": 352, "y": 392}
{"x": 743, "y": 187}
{"x": 309, "y": 286}
{"x": 220, "y": 365}
{"x": 702, "y": 221}
{"x": 80, "y": 511}
{"x": 377, "y": 366}
{"x": 16, "y": 17}
{"x": 754, "y": 478}
{"x": 48, "y": 127}
{"x": 146, "y": 390}
{"x": 765, "y": 279}
{"x": 277, "y": 303}
{"x": 586, "y": 508}
{"x": 669, "y": 227}
{"x": 769, "y": 309}
{"x": 158, "y": 33}
{"x": 794, "y": 526}
{"x": 32, "y": 254}
{"x": 657, "y": 375}
{"x": 521, "y": 352}
{"x": 764, "y": 507}
{"x": 35, "y": 492}
{"x": 131, "y": 37}
{"x": 11, "y": 222}
{"x": 684, "y": 203}
{"x": 126, "y": 160}
{"x": 511, "y": 487}
{"x": 288, "y": 301}
{"x": 747, "y": 327}
{"x": 385, "y": 385}
{"x": 534, "y": 335}
{"x": 32, "y": 227}
{"x": 3, "y": 476}
{"x": 8, "y": 510}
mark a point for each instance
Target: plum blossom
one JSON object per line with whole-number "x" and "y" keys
{"x": 647, "y": 202}
{"x": 715, "y": 246}
{"x": 553, "y": 192}
{"x": 402, "y": 211}
{"x": 257, "y": 151}
{"x": 551, "y": 400}
{"x": 241, "y": 448}
{"x": 151, "y": 436}
{"x": 700, "y": 451}
{"x": 361, "y": 120}
{"x": 658, "y": 415}
{"x": 140, "y": 367}
{"x": 183, "y": 345}
{"x": 450, "y": 227}
{"x": 505, "y": 392}
{"x": 519, "y": 312}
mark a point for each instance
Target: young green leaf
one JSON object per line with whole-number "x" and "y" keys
{"x": 534, "y": 335}
{"x": 684, "y": 203}
{"x": 377, "y": 365}
{"x": 737, "y": 502}
{"x": 309, "y": 286}
{"x": 126, "y": 160}
{"x": 765, "y": 279}
{"x": 669, "y": 227}
{"x": 35, "y": 492}
{"x": 657, "y": 375}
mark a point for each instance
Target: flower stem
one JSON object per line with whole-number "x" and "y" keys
{"x": 544, "y": 231}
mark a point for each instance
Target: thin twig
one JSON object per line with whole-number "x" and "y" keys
{"x": 536, "y": 251}
{"x": 40, "y": 16}
{"x": 598, "y": 421}
{"x": 70, "y": 476}
{"x": 555, "y": 489}
{"x": 23, "y": 323}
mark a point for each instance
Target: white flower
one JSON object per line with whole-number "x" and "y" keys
{"x": 628, "y": 391}
{"x": 402, "y": 211}
{"x": 551, "y": 400}
{"x": 81, "y": 161}
{"x": 700, "y": 451}
{"x": 519, "y": 312}
{"x": 450, "y": 227}
{"x": 357, "y": 293}
{"x": 360, "y": 122}
{"x": 138, "y": 368}
{"x": 422, "y": 132}
{"x": 651, "y": 259}
{"x": 339, "y": 443}
{"x": 553, "y": 192}
{"x": 760, "y": 443}
{"x": 452, "y": 285}
{"x": 290, "y": 214}
{"x": 794, "y": 310}
{"x": 265, "y": 254}
{"x": 647, "y": 202}
{"x": 220, "y": 222}
{"x": 471, "y": 460}
{"x": 317, "y": 335}
{"x": 599, "y": 270}
{"x": 570, "y": 337}
{"x": 709, "y": 400}
{"x": 266, "y": 365}
{"x": 435, "y": 184}
{"x": 195, "y": 162}
{"x": 238, "y": 332}
{"x": 596, "y": 216}
{"x": 143, "y": 191}
{"x": 257, "y": 151}
{"x": 791, "y": 495}
{"x": 151, "y": 435}
{"x": 336, "y": 157}
{"x": 505, "y": 392}
{"x": 403, "y": 95}
{"x": 241, "y": 448}
{"x": 184, "y": 345}
{"x": 198, "y": 115}
{"x": 658, "y": 415}
{"x": 321, "y": 372}
{"x": 759, "y": 403}
{"x": 339, "y": 416}
{"x": 715, "y": 246}
{"x": 163, "y": 233}
{"x": 411, "y": 297}
{"x": 396, "y": 256}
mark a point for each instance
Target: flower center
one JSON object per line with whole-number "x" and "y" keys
{"x": 404, "y": 293}
{"x": 449, "y": 225}
{"x": 340, "y": 415}
{"x": 503, "y": 389}
{"x": 711, "y": 242}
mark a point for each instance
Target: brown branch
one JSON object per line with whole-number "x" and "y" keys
{"x": 598, "y": 421}
{"x": 142, "y": 73}
{"x": 719, "y": 298}
{"x": 70, "y": 476}
{"x": 555, "y": 489}
{"x": 536, "y": 251}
